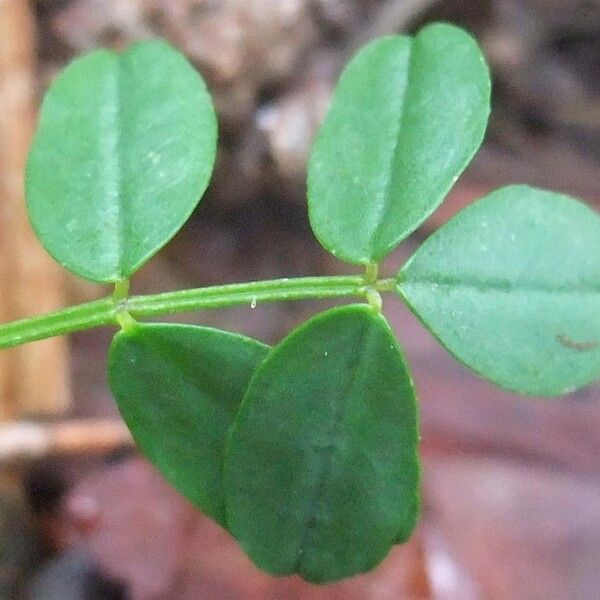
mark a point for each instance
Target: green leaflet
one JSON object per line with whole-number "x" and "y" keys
{"x": 511, "y": 287}
{"x": 124, "y": 149}
{"x": 321, "y": 472}
{"x": 178, "y": 388}
{"x": 407, "y": 116}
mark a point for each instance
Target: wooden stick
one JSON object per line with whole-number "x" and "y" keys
{"x": 27, "y": 440}
{"x": 34, "y": 378}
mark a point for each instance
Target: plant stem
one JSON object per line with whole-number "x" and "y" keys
{"x": 106, "y": 311}
{"x": 68, "y": 320}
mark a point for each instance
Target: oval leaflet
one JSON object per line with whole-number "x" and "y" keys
{"x": 178, "y": 388}
{"x": 321, "y": 471}
{"x": 511, "y": 287}
{"x": 407, "y": 116}
{"x": 124, "y": 150}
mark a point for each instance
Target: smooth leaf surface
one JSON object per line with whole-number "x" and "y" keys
{"x": 406, "y": 118}
{"x": 178, "y": 388}
{"x": 124, "y": 149}
{"x": 321, "y": 471}
{"x": 511, "y": 286}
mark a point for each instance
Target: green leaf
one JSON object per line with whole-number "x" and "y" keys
{"x": 407, "y": 116}
{"x": 124, "y": 149}
{"x": 511, "y": 287}
{"x": 178, "y": 388}
{"x": 321, "y": 470}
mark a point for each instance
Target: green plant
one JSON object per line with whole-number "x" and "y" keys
{"x": 307, "y": 452}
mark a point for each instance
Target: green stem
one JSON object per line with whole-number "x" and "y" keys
{"x": 106, "y": 311}
{"x": 68, "y": 320}
{"x": 121, "y": 290}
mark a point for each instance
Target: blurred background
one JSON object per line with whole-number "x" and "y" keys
{"x": 511, "y": 484}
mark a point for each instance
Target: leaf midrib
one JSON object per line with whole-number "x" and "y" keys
{"x": 334, "y": 432}
{"x": 171, "y": 351}
{"x": 501, "y": 286}
{"x": 114, "y": 169}
{"x": 384, "y": 206}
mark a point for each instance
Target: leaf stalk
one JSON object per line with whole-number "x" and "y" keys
{"x": 109, "y": 311}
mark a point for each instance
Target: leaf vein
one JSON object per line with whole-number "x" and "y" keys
{"x": 334, "y": 433}
{"x": 504, "y": 286}
{"x": 383, "y": 207}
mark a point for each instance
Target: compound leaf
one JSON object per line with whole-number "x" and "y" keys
{"x": 511, "y": 287}
{"x": 124, "y": 149}
{"x": 178, "y": 388}
{"x": 406, "y": 118}
{"x": 321, "y": 471}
